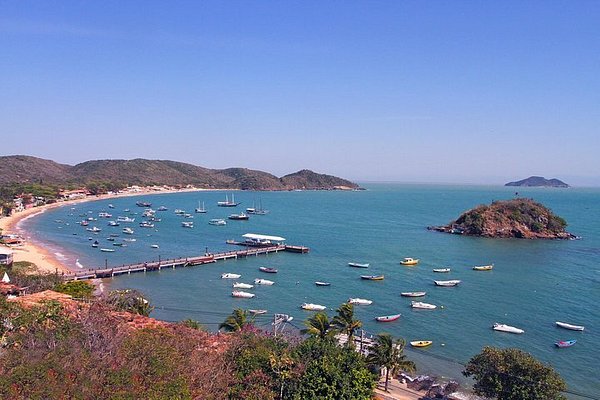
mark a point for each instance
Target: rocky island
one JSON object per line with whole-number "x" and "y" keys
{"x": 516, "y": 218}
{"x": 539, "y": 181}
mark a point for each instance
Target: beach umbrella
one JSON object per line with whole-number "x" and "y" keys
{"x": 5, "y": 278}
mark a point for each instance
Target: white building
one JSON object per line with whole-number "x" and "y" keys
{"x": 6, "y": 256}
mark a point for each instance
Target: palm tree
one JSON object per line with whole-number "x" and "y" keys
{"x": 389, "y": 353}
{"x": 318, "y": 325}
{"x": 345, "y": 323}
{"x": 237, "y": 321}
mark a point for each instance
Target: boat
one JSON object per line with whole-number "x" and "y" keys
{"x": 228, "y": 203}
{"x": 146, "y": 224}
{"x": 148, "y": 213}
{"x": 217, "y": 221}
{"x": 388, "y": 318}
{"x": 319, "y": 283}
{"x": 244, "y": 295}
{"x": 84, "y": 223}
{"x": 229, "y": 275}
{"x": 200, "y": 209}
{"x": 111, "y": 206}
{"x": 442, "y": 270}
{"x": 128, "y": 231}
{"x": 179, "y": 211}
{"x": 257, "y": 210}
{"x": 450, "y": 283}
{"x": 421, "y": 343}
{"x": 565, "y": 343}
{"x": 372, "y": 277}
{"x": 107, "y": 250}
{"x": 268, "y": 270}
{"x": 413, "y": 294}
{"x": 240, "y": 217}
{"x": 359, "y": 301}
{"x": 119, "y": 244}
{"x": 267, "y": 282}
{"x": 95, "y": 244}
{"x": 162, "y": 208}
{"x": 423, "y": 306}
{"x": 239, "y": 285}
{"x": 129, "y": 240}
{"x": 257, "y": 312}
{"x": 110, "y": 239}
{"x": 506, "y": 328}
{"x": 358, "y": 265}
{"x": 104, "y": 215}
{"x": 312, "y": 307}
{"x": 409, "y": 261}
{"x": 187, "y": 224}
{"x": 569, "y": 326}
{"x": 125, "y": 219}
{"x": 483, "y": 267}
{"x": 143, "y": 204}
{"x": 93, "y": 229}
{"x": 113, "y": 223}
{"x": 154, "y": 246}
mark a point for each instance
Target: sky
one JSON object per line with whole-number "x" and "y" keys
{"x": 407, "y": 91}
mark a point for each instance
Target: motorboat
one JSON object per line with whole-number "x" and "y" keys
{"x": 118, "y": 244}
{"x": 162, "y": 208}
{"x": 241, "y": 294}
{"x": 358, "y": 265}
{"x": 423, "y": 306}
{"x": 441, "y": 270}
{"x": 409, "y": 261}
{"x": 312, "y": 307}
{"x": 565, "y": 343}
{"x": 267, "y": 282}
{"x": 268, "y": 270}
{"x": 154, "y": 246}
{"x": 130, "y": 240}
{"x": 113, "y": 223}
{"x": 228, "y": 203}
{"x": 413, "y": 294}
{"x": 239, "y": 285}
{"x": 104, "y": 215}
{"x": 107, "y": 250}
{"x": 372, "y": 277}
{"x": 450, "y": 283}
{"x": 93, "y": 229}
{"x": 569, "y": 326}
{"x": 359, "y": 301}
{"x": 239, "y": 217}
{"x": 95, "y": 244}
{"x": 257, "y": 312}
{"x": 128, "y": 231}
{"x": 319, "y": 283}
{"x": 217, "y": 221}
{"x": 229, "y": 275}
{"x": 125, "y": 219}
{"x": 506, "y": 328}
{"x": 187, "y": 224}
{"x": 111, "y": 206}
{"x": 143, "y": 204}
{"x": 483, "y": 267}
{"x": 148, "y": 213}
{"x": 179, "y": 211}
{"x": 421, "y": 343}
{"x": 388, "y": 318}
{"x": 146, "y": 224}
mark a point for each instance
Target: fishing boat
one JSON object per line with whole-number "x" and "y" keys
{"x": 372, "y": 277}
{"x": 388, "y": 318}
{"x": 110, "y": 239}
{"x": 143, "y": 204}
{"x": 569, "y": 326}
{"x": 239, "y": 217}
{"x": 128, "y": 231}
{"x": 359, "y": 301}
{"x": 483, "y": 267}
{"x": 179, "y": 211}
{"x": 111, "y": 206}
{"x": 319, "y": 283}
{"x": 93, "y": 229}
{"x": 125, "y": 219}
{"x": 104, "y": 215}
{"x": 312, "y": 307}
{"x": 421, "y": 343}
{"x": 229, "y": 275}
{"x": 84, "y": 223}
{"x": 506, "y": 328}
{"x": 187, "y": 224}
{"x": 423, "y": 306}
{"x": 107, "y": 250}
{"x": 200, "y": 209}
{"x": 217, "y": 221}
{"x": 413, "y": 294}
{"x": 118, "y": 244}
{"x": 113, "y": 223}
{"x": 268, "y": 270}
{"x": 239, "y": 285}
{"x": 257, "y": 312}
{"x": 228, "y": 203}
{"x": 267, "y": 282}
{"x": 154, "y": 246}
{"x": 358, "y": 265}
{"x": 244, "y": 295}
{"x": 129, "y": 240}
{"x": 450, "y": 283}
{"x": 565, "y": 343}
{"x": 409, "y": 261}
{"x": 441, "y": 270}
{"x": 162, "y": 208}
{"x": 95, "y": 244}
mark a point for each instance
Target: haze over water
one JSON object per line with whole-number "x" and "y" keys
{"x": 533, "y": 284}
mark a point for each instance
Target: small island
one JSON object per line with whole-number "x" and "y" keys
{"x": 516, "y": 218}
{"x": 539, "y": 181}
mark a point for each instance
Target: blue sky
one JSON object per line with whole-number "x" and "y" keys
{"x": 410, "y": 91}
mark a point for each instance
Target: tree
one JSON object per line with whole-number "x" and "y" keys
{"x": 512, "y": 374}
{"x": 130, "y": 300}
{"x": 237, "y": 321}
{"x": 344, "y": 322}
{"x": 318, "y": 325}
{"x": 389, "y": 354}
{"x": 77, "y": 289}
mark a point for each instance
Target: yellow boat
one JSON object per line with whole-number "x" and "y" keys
{"x": 421, "y": 343}
{"x": 484, "y": 268}
{"x": 409, "y": 261}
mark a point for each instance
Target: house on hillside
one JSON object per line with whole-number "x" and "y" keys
{"x": 74, "y": 194}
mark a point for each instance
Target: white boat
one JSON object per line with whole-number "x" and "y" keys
{"x": 358, "y": 265}
{"x": 146, "y": 224}
{"x": 442, "y": 270}
{"x": 312, "y": 307}
{"x": 506, "y": 328}
{"x": 107, "y": 250}
{"x": 187, "y": 224}
{"x": 239, "y": 217}
{"x": 257, "y": 312}
{"x": 217, "y": 221}
{"x": 179, "y": 211}
{"x": 450, "y": 283}
{"x": 569, "y": 326}
{"x": 111, "y": 206}
{"x": 413, "y": 294}
{"x": 200, "y": 209}
{"x": 257, "y": 210}
{"x": 125, "y": 219}
{"x": 154, "y": 246}
{"x": 319, "y": 283}
{"x": 360, "y": 302}
{"x": 259, "y": 281}
{"x": 162, "y": 208}
{"x": 129, "y": 240}
{"x": 244, "y": 295}
{"x": 229, "y": 275}
{"x": 228, "y": 203}
{"x": 239, "y": 285}
{"x": 128, "y": 231}
{"x": 148, "y": 213}
{"x": 94, "y": 229}
{"x": 113, "y": 223}
{"x": 104, "y": 215}
{"x": 421, "y": 305}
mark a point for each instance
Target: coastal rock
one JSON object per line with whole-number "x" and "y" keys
{"x": 539, "y": 181}
{"x": 517, "y": 218}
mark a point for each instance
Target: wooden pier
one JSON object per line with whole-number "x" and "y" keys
{"x": 179, "y": 262}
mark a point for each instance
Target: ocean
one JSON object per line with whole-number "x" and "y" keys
{"x": 533, "y": 284}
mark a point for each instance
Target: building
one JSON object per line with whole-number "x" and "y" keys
{"x": 6, "y": 256}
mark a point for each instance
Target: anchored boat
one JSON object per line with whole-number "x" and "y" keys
{"x": 413, "y": 294}
{"x": 421, "y": 343}
{"x": 409, "y": 261}
{"x": 388, "y": 318}
{"x": 569, "y": 326}
{"x": 506, "y": 328}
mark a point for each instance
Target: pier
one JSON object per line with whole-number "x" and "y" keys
{"x": 180, "y": 262}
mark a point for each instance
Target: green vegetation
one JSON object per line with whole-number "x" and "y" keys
{"x": 344, "y": 321}
{"x": 318, "y": 326}
{"x": 512, "y": 374}
{"x": 25, "y": 274}
{"x": 77, "y": 289}
{"x": 129, "y": 300}
{"x": 237, "y": 321}
{"x": 389, "y": 354}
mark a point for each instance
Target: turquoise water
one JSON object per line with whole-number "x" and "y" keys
{"x": 533, "y": 284}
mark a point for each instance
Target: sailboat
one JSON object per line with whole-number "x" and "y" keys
{"x": 257, "y": 210}
{"x": 228, "y": 203}
{"x": 201, "y": 209}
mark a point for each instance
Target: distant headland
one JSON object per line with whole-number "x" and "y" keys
{"x": 539, "y": 181}
{"x": 516, "y": 218}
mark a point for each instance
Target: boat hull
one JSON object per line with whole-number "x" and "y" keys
{"x": 413, "y": 294}
{"x": 388, "y": 318}
{"x": 570, "y": 326}
{"x": 421, "y": 343}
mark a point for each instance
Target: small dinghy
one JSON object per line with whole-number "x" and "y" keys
{"x": 569, "y": 326}
{"x": 483, "y": 267}
{"x": 239, "y": 285}
{"x": 229, "y": 275}
{"x": 358, "y": 265}
{"x": 268, "y": 270}
{"x": 257, "y": 312}
{"x": 413, "y": 294}
{"x": 243, "y": 295}
{"x": 372, "y": 277}
{"x": 360, "y": 302}
{"x": 449, "y": 283}
{"x": 312, "y": 307}
{"x": 263, "y": 282}
{"x": 388, "y": 318}
{"x": 565, "y": 343}
{"x": 318, "y": 283}
{"x": 506, "y": 328}
{"x": 421, "y": 343}
{"x": 441, "y": 270}
{"x": 422, "y": 306}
